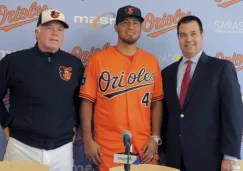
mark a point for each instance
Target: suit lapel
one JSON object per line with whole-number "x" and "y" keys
{"x": 197, "y": 77}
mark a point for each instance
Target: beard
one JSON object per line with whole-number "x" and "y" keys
{"x": 129, "y": 40}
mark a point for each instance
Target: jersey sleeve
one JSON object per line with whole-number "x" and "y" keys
{"x": 158, "y": 85}
{"x": 88, "y": 86}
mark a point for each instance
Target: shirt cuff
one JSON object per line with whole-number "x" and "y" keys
{"x": 230, "y": 158}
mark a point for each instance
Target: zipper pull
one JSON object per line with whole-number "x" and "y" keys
{"x": 49, "y": 59}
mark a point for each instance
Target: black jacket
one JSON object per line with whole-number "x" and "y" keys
{"x": 44, "y": 99}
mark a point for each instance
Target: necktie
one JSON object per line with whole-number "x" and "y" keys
{"x": 185, "y": 83}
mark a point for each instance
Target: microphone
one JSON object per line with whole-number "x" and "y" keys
{"x": 126, "y": 136}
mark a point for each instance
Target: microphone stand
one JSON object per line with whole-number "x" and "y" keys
{"x": 127, "y": 152}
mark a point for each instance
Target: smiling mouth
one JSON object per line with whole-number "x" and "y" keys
{"x": 130, "y": 33}
{"x": 52, "y": 40}
{"x": 189, "y": 45}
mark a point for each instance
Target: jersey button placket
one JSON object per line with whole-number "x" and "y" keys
{"x": 130, "y": 112}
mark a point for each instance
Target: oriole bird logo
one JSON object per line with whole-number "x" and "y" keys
{"x": 65, "y": 73}
{"x": 55, "y": 14}
{"x": 129, "y": 10}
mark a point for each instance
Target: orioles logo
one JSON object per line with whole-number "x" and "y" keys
{"x": 107, "y": 81}
{"x": 55, "y": 14}
{"x": 129, "y": 10}
{"x": 65, "y": 73}
{"x": 20, "y": 16}
{"x": 227, "y": 4}
{"x": 164, "y": 24}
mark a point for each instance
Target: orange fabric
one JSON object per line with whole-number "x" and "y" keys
{"x": 120, "y": 89}
{"x": 130, "y": 57}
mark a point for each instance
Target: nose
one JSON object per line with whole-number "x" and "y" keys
{"x": 130, "y": 25}
{"x": 54, "y": 31}
{"x": 188, "y": 38}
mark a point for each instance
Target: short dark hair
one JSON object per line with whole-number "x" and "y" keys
{"x": 188, "y": 19}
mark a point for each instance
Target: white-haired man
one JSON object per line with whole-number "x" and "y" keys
{"x": 44, "y": 83}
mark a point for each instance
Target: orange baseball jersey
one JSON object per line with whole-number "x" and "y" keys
{"x": 122, "y": 91}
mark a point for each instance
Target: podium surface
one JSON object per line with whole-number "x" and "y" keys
{"x": 240, "y": 163}
{"x": 144, "y": 167}
{"x": 22, "y": 166}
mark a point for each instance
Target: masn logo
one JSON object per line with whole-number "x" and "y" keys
{"x": 100, "y": 21}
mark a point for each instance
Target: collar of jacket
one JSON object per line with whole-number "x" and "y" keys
{"x": 46, "y": 54}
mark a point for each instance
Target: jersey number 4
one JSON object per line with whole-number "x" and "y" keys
{"x": 146, "y": 99}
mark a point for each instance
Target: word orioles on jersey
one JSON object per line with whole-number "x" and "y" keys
{"x": 106, "y": 81}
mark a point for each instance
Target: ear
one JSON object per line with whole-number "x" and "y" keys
{"x": 116, "y": 27}
{"x": 202, "y": 35}
{"x": 141, "y": 26}
{"x": 36, "y": 34}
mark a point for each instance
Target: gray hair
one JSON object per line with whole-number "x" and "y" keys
{"x": 38, "y": 29}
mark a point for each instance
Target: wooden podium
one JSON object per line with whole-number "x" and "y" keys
{"x": 144, "y": 167}
{"x": 22, "y": 166}
{"x": 240, "y": 163}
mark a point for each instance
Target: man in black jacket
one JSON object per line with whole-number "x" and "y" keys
{"x": 44, "y": 83}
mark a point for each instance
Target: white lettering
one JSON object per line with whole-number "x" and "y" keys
{"x": 91, "y": 19}
{"x": 228, "y": 26}
{"x": 80, "y": 19}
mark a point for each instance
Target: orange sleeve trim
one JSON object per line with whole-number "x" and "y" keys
{"x": 157, "y": 98}
{"x": 85, "y": 96}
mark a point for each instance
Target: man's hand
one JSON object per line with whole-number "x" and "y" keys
{"x": 6, "y": 133}
{"x": 228, "y": 165}
{"x": 150, "y": 151}
{"x": 92, "y": 152}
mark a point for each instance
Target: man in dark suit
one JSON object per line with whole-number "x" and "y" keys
{"x": 203, "y": 111}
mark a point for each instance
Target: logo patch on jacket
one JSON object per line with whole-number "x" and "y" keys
{"x": 65, "y": 73}
{"x": 83, "y": 80}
